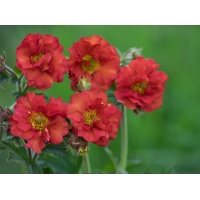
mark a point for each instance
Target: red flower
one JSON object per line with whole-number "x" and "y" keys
{"x": 39, "y": 122}
{"x": 41, "y": 60}
{"x": 140, "y": 86}
{"x": 92, "y": 117}
{"x": 95, "y": 59}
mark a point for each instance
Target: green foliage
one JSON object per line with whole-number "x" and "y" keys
{"x": 17, "y": 71}
{"x": 57, "y": 150}
{"x": 61, "y": 165}
{"x": 4, "y": 76}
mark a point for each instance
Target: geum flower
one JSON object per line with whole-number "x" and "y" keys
{"x": 140, "y": 86}
{"x": 39, "y": 122}
{"x": 41, "y": 60}
{"x": 95, "y": 59}
{"x": 93, "y": 118}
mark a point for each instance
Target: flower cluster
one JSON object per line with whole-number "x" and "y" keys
{"x": 93, "y": 67}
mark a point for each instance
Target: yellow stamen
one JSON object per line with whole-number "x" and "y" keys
{"x": 35, "y": 58}
{"x": 90, "y": 116}
{"x": 38, "y": 121}
{"x": 140, "y": 87}
{"x": 90, "y": 65}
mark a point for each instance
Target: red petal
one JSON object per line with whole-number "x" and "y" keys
{"x": 37, "y": 144}
{"x": 57, "y": 129}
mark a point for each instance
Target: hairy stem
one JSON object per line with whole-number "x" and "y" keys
{"x": 35, "y": 157}
{"x": 86, "y": 162}
{"x": 124, "y": 141}
{"x": 8, "y": 69}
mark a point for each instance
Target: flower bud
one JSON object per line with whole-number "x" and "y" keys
{"x": 83, "y": 84}
{"x": 5, "y": 114}
{"x": 133, "y": 53}
{"x": 130, "y": 55}
{"x": 79, "y": 143}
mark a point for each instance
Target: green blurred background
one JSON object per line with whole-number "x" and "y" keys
{"x": 164, "y": 141}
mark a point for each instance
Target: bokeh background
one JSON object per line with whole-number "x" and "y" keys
{"x": 164, "y": 141}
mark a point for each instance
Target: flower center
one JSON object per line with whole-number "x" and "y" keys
{"x": 90, "y": 116}
{"x": 89, "y": 64}
{"x": 38, "y": 121}
{"x": 35, "y": 58}
{"x": 140, "y": 87}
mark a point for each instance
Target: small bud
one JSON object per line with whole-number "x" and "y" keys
{"x": 5, "y": 114}
{"x": 82, "y": 151}
{"x": 133, "y": 53}
{"x": 83, "y": 84}
{"x": 130, "y": 55}
{"x": 79, "y": 143}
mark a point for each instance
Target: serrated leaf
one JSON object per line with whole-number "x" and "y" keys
{"x": 18, "y": 150}
{"x": 61, "y": 165}
{"x": 8, "y": 138}
{"x": 15, "y": 157}
{"x": 14, "y": 80}
{"x": 57, "y": 150}
{"x": 3, "y": 77}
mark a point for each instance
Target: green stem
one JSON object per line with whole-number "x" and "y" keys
{"x": 8, "y": 69}
{"x": 25, "y": 88}
{"x": 124, "y": 141}
{"x": 86, "y": 162}
{"x": 35, "y": 157}
{"x": 29, "y": 154}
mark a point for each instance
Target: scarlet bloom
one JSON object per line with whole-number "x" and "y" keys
{"x": 140, "y": 85}
{"x": 39, "y": 122}
{"x": 95, "y": 59}
{"x": 41, "y": 60}
{"x": 93, "y": 118}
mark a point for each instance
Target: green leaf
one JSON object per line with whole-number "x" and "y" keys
{"x": 17, "y": 95}
{"x": 31, "y": 89}
{"x": 61, "y": 165}
{"x": 17, "y": 71}
{"x": 33, "y": 168}
{"x": 20, "y": 151}
{"x": 14, "y": 80}
{"x": 36, "y": 169}
{"x": 4, "y": 77}
{"x": 57, "y": 150}
{"x": 15, "y": 157}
